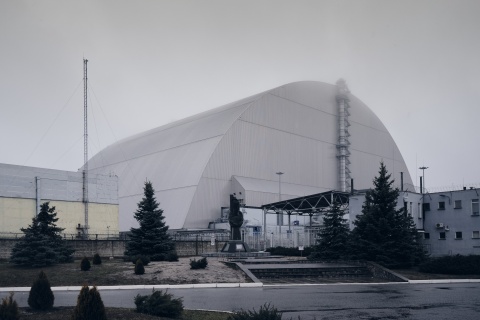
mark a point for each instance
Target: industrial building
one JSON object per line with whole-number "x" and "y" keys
{"x": 452, "y": 222}
{"x": 23, "y": 189}
{"x": 303, "y": 138}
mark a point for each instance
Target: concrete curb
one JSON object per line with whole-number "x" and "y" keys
{"x": 445, "y": 281}
{"x": 239, "y": 285}
{"x": 143, "y": 287}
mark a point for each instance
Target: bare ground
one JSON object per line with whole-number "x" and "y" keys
{"x": 118, "y": 272}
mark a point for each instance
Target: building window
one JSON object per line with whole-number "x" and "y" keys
{"x": 426, "y": 235}
{"x": 426, "y": 207}
{"x": 457, "y": 204}
{"x": 419, "y": 211}
{"x": 475, "y": 208}
{"x": 476, "y": 234}
{"x": 458, "y": 235}
{"x": 442, "y": 236}
{"x": 441, "y": 205}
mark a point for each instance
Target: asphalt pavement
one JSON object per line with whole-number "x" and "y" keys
{"x": 432, "y": 299}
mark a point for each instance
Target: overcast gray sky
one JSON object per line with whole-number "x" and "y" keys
{"x": 414, "y": 63}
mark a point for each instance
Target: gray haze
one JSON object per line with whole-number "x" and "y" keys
{"x": 414, "y": 63}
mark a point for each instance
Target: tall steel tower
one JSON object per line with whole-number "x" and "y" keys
{"x": 85, "y": 148}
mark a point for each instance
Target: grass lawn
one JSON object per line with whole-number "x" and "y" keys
{"x": 118, "y": 314}
{"x": 68, "y": 274}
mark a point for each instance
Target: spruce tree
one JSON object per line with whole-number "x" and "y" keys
{"x": 42, "y": 245}
{"x": 151, "y": 238}
{"x": 382, "y": 233}
{"x": 333, "y": 236}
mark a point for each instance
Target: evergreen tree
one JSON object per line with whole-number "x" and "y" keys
{"x": 334, "y": 235}
{"x": 382, "y": 233}
{"x": 89, "y": 305}
{"x": 42, "y": 245}
{"x": 41, "y": 296}
{"x": 151, "y": 238}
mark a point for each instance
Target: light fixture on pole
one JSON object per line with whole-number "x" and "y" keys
{"x": 423, "y": 177}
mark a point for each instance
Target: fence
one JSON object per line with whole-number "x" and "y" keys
{"x": 295, "y": 238}
{"x": 70, "y": 236}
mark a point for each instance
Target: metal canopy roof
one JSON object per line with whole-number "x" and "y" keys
{"x": 310, "y": 204}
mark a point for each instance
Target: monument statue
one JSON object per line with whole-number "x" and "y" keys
{"x": 235, "y": 218}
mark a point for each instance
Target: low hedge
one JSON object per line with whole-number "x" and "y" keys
{"x": 456, "y": 264}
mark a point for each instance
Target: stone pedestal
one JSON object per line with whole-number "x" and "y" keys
{"x": 233, "y": 246}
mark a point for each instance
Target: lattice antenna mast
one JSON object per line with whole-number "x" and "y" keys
{"x": 85, "y": 147}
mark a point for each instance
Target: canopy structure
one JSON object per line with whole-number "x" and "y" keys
{"x": 310, "y": 204}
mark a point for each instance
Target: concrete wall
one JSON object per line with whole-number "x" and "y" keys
{"x": 23, "y": 189}
{"x": 116, "y": 248}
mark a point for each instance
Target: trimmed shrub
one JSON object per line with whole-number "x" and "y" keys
{"x": 456, "y": 264}
{"x": 145, "y": 260}
{"x": 89, "y": 305}
{"x": 41, "y": 296}
{"x": 97, "y": 259}
{"x": 294, "y": 252}
{"x": 159, "y": 304}
{"x": 78, "y": 312}
{"x": 9, "y": 308}
{"x": 266, "y": 312}
{"x": 139, "y": 268}
{"x": 172, "y": 256}
{"x": 200, "y": 264}
{"x": 85, "y": 264}
{"x": 158, "y": 257}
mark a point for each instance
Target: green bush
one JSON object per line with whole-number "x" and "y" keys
{"x": 85, "y": 264}
{"x": 283, "y": 251}
{"x": 266, "y": 312}
{"x": 159, "y": 304}
{"x": 457, "y": 264}
{"x": 171, "y": 256}
{"x": 139, "y": 268}
{"x": 97, "y": 259}
{"x": 200, "y": 264}
{"x": 9, "y": 308}
{"x": 41, "y": 296}
{"x": 89, "y": 305}
{"x": 145, "y": 259}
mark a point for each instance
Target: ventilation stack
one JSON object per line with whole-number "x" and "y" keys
{"x": 343, "y": 134}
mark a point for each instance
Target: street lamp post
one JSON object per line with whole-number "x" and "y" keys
{"x": 280, "y": 215}
{"x": 423, "y": 177}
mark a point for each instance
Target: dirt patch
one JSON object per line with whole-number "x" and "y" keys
{"x": 117, "y": 272}
{"x": 179, "y": 272}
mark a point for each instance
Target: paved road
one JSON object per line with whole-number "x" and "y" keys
{"x": 326, "y": 302}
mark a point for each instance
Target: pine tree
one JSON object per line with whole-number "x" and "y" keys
{"x": 382, "y": 233}
{"x": 151, "y": 238}
{"x": 42, "y": 245}
{"x": 334, "y": 235}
